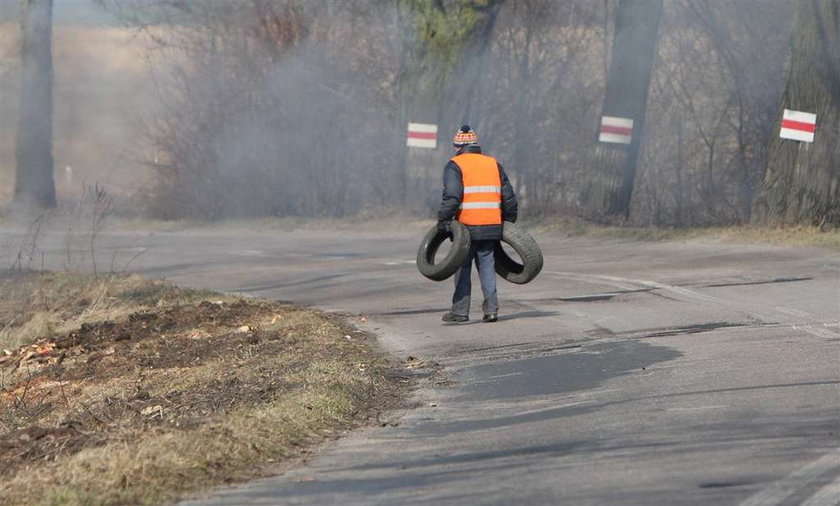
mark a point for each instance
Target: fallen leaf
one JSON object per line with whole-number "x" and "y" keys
{"x": 415, "y": 363}
{"x": 52, "y": 384}
{"x": 153, "y": 411}
{"x": 44, "y": 348}
{"x": 198, "y": 334}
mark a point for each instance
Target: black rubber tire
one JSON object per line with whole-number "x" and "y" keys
{"x": 527, "y": 249}
{"x": 438, "y": 271}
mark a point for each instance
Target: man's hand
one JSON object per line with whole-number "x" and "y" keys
{"x": 443, "y": 226}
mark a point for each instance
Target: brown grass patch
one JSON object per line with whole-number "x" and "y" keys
{"x": 177, "y": 397}
{"x": 38, "y": 305}
{"x": 747, "y": 234}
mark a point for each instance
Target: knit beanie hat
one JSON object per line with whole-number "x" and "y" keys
{"x": 465, "y": 136}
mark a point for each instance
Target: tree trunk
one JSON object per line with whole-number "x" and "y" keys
{"x": 441, "y": 52}
{"x": 802, "y": 181}
{"x": 34, "y": 185}
{"x": 614, "y": 173}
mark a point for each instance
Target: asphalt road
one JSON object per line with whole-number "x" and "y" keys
{"x": 628, "y": 373}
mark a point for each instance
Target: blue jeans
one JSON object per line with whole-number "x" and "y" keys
{"x": 483, "y": 252}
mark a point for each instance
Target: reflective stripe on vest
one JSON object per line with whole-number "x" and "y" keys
{"x": 482, "y": 203}
{"x": 482, "y": 189}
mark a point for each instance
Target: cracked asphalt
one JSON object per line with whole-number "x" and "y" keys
{"x": 632, "y": 373}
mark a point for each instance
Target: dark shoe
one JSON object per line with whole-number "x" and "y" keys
{"x": 452, "y": 317}
{"x": 490, "y": 318}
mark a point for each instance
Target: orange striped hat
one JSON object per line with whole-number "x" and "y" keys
{"x": 465, "y": 136}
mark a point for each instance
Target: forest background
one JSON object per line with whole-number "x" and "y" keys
{"x": 254, "y": 108}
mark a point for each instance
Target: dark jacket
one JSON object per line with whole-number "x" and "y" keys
{"x": 453, "y": 194}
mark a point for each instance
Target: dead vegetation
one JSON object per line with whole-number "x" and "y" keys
{"x": 159, "y": 391}
{"x": 804, "y": 236}
{"x": 43, "y": 304}
{"x": 795, "y": 235}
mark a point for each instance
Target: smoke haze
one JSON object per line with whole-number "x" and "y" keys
{"x": 292, "y": 108}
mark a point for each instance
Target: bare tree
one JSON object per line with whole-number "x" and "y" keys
{"x": 747, "y": 40}
{"x": 268, "y": 110}
{"x": 443, "y": 44}
{"x": 540, "y": 92}
{"x": 34, "y": 185}
{"x": 299, "y": 107}
{"x": 716, "y": 86}
{"x": 636, "y": 32}
{"x": 802, "y": 182}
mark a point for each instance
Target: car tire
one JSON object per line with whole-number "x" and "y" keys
{"x": 438, "y": 271}
{"x": 527, "y": 249}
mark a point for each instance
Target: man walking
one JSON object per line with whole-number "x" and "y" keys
{"x": 477, "y": 193}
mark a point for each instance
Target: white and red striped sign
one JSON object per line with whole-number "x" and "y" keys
{"x": 616, "y": 130}
{"x": 798, "y": 126}
{"x": 422, "y": 135}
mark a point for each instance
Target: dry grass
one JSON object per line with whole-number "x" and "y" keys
{"x": 388, "y": 221}
{"x": 568, "y": 226}
{"x": 181, "y": 395}
{"x": 789, "y": 236}
{"x": 38, "y": 305}
{"x": 782, "y": 235}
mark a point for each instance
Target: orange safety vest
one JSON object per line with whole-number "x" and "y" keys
{"x": 482, "y": 203}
